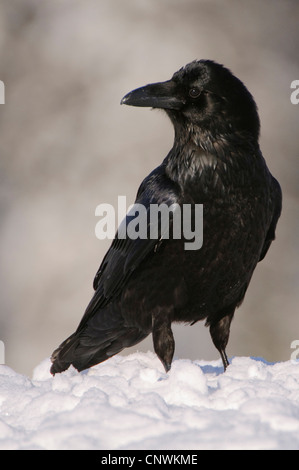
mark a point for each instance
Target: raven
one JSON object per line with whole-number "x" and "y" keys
{"x": 144, "y": 284}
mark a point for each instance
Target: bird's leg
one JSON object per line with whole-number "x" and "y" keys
{"x": 224, "y": 358}
{"x": 163, "y": 340}
{"x": 219, "y": 331}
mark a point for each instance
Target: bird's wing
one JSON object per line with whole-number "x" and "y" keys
{"x": 126, "y": 254}
{"x": 277, "y": 205}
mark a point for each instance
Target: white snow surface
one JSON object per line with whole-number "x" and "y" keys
{"x": 130, "y": 403}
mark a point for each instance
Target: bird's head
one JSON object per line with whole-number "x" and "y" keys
{"x": 204, "y": 97}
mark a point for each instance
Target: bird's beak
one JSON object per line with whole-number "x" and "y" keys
{"x": 156, "y": 95}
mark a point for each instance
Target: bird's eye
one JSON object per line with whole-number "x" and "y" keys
{"x": 194, "y": 92}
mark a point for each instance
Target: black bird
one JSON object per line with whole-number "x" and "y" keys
{"x": 145, "y": 284}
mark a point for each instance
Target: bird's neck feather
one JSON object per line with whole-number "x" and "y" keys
{"x": 198, "y": 151}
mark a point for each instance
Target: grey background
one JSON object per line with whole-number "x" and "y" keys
{"x": 66, "y": 146}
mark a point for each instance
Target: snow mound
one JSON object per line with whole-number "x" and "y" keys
{"x": 131, "y": 403}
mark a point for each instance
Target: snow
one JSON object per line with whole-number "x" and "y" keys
{"x": 130, "y": 403}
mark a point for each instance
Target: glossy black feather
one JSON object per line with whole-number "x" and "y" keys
{"x": 144, "y": 285}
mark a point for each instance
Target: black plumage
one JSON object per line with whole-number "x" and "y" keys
{"x": 143, "y": 285}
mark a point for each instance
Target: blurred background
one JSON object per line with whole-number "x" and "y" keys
{"x": 66, "y": 146}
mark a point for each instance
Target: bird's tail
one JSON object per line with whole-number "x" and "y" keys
{"x": 90, "y": 346}
{"x": 61, "y": 357}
